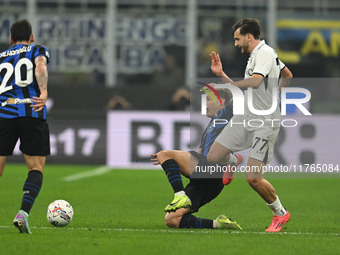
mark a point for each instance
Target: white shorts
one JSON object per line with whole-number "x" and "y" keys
{"x": 261, "y": 140}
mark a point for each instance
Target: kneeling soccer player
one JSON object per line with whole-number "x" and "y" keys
{"x": 199, "y": 191}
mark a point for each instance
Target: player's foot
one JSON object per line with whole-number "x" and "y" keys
{"x": 278, "y": 222}
{"x": 178, "y": 202}
{"x": 228, "y": 175}
{"x": 225, "y": 222}
{"x": 21, "y": 222}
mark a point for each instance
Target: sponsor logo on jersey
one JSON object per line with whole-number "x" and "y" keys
{"x": 17, "y": 101}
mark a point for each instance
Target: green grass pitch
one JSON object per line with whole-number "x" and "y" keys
{"x": 121, "y": 212}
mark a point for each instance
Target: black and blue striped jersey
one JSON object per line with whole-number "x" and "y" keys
{"x": 18, "y": 81}
{"x": 212, "y": 131}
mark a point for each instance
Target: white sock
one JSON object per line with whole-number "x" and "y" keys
{"x": 215, "y": 224}
{"x": 232, "y": 160}
{"x": 180, "y": 193}
{"x": 277, "y": 208}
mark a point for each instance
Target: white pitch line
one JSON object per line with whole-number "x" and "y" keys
{"x": 187, "y": 231}
{"x": 87, "y": 174}
{"x": 99, "y": 171}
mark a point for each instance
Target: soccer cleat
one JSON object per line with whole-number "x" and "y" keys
{"x": 278, "y": 222}
{"x": 21, "y": 222}
{"x": 228, "y": 175}
{"x": 178, "y": 202}
{"x": 225, "y": 222}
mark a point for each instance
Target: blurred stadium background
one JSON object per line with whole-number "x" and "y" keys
{"x": 117, "y": 64}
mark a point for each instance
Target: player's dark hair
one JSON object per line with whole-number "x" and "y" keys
{"x": 225, "y": 94}
{"x": 21, "y": 30}
{"x": 248, "y": 25}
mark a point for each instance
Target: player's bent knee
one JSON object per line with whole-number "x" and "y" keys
{"x": 253, "y": 182}
{"x": 171, "y": 221}
{"x": 35, "y": 162}
{"x": 163, "y": 156}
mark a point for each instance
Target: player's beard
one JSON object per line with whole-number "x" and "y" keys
{"x": 244, "y": 49}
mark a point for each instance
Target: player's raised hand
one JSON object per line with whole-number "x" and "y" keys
{"x": 155, "y": 159}
{"x": 216, "y": 64}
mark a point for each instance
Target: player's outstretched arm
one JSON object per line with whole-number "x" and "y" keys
{"x": 217, "y": 69}
{"x": 253, "y": 82}
{"x": 42, "y": 77}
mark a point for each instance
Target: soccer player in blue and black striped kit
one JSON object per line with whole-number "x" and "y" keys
{"x": 23, "y": 94}
{"x": 203, "y": 187}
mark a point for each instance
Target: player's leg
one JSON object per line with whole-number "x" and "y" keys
{"x": 2, "y": 164}
{"x": 218, "y": 153}
{"x": 183, "y": 219}
{"x": 31, "y": 189}
{"x": 173, "y": 219}
{"x": 257, "y": 182}
{"x": 261, "y": 153}
{"x": 175, "y": 163}
{"x": 182, "y": 158}
{"x": 267, "y": 192}
{"x": 8, "y": 140}
{"x": 34, "y": 137}
{"x": 231, "y": 139}
{"x": 34, "y": 180}
{"x": 192, "y": 221}
{"x": 201, "y": 192}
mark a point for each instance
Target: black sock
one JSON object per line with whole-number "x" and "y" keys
{"x": 191, "y": 221}
{"x": 31, "y": 189}
{"x": 173, "y": 173}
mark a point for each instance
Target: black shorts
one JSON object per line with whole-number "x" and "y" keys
{"x": 33, "y": 133}
{"x": 205, "y": 169}
{"x": 202, "y": 190}
{"x": 202, "y": 160}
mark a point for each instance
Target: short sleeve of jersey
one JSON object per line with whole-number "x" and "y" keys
{"x": 264, "y": 61}
{"x": 282, "y": 65}
{"x": 42, "y": 51}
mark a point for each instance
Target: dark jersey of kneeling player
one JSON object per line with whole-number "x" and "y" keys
{"x": 215, "y": 127}
{"x": 220, "y": 117}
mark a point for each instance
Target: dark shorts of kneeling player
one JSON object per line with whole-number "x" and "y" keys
{"x": 201, "y": 190}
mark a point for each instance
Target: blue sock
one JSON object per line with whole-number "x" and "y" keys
{"x": 31, "y": 189}
{"x": 191, "y": 221}
{"x": 173, "y": 172}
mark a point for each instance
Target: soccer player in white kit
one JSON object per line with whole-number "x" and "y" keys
{"x": 262, "y": 75}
